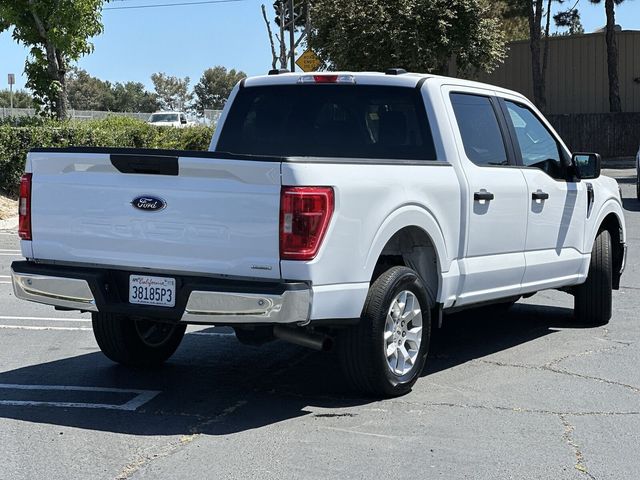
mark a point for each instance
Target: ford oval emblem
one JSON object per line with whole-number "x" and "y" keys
{"x": 148, "y": 203}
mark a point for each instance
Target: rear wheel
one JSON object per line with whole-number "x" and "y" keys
{"x": 593, "y": 299}
{"x": 136, "y": 342}
{"x": 385, "y": 353}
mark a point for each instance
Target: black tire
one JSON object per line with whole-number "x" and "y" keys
{"x": 122, "y": 339}
{"x": 593, "y": 299}
{"x": 362, "y": 348}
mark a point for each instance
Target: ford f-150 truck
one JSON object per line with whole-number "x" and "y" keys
{"x": 347, "y": 207}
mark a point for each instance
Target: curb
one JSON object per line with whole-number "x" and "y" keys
{"x": 619, "y": 162}
{"x": 9, "y": 224}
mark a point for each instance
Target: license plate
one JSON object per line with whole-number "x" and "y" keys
{"x": 158, "y": 291}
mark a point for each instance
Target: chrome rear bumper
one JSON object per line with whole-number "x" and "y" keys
{"x": 231, "y": 307}
{"x": 292, "y": 304}
{"x": 58, "y": 291}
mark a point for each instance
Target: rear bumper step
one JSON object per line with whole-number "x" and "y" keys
{"x": 198, "y": 299}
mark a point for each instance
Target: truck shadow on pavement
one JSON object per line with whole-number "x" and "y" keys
{"x": 216, "y": 386}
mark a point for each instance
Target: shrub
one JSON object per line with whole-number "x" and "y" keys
{"x": 16, "y": 141}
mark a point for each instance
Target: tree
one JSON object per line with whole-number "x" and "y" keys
{"x": 85, "y": 92}
{"x": 418, "y": 35}
{"x": 612, "y": 54}
{"x": 133, "y": 97}
{"x": 214, "y": 87}
{"x": 514, "y": 19}
{"x": 173, "y": 92}
{"x": 57, "y": 32}
{"x": 569, "y": 19}
{"x": 21, "y": 99}
{"x": 535, "y": 11}
{"x": 285, "y": 20}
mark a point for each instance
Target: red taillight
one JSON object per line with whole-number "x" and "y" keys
{"x": 305, "y": 213}
{"x": 24, "y": 207}
{"x": 325, "y": 78}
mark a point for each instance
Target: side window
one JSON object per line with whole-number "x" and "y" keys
{"x": 537, "y": 146}
{"x": 479, "y": 128}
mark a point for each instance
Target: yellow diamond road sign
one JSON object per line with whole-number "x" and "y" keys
{"x": 308, "y": 61}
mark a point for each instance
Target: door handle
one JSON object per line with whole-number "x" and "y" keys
{"x": 540, "y": 195}
{"x": 483, "y": 195}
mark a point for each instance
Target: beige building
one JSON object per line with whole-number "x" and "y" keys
{"x": 577, "y": 80}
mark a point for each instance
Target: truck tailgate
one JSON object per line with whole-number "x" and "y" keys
{"x": 220, "y": 217}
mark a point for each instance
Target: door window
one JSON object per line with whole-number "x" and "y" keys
{"x": 479, "y": 129}
{"x": 538, "y": 147}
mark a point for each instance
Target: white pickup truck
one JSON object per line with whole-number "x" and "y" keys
{"x": 355, "y": 207}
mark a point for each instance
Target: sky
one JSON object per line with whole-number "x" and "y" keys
{"x": 186, "y": 40}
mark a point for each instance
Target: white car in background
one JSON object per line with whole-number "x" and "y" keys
{"x": 168, "y": 119}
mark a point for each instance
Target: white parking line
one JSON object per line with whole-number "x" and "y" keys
{"x": 32, "y": 327}
{"x": 81, "y": 329}
{"x": 4, "y": 254}
{"x": 5, "y": 283}
{"x": 5, "y": 276}
{"x": 12, "y": 250}
{"x": 142, "y": 397}
{"x": 212, "y": 334}
{"x": 48, "y": 319}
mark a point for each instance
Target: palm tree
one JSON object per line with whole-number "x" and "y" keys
{"x": 612, "y": 54}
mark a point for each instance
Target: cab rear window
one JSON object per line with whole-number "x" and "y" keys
{"x": 328, "y": 121}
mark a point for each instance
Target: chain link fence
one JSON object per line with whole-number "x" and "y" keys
{"x": 210, "y": 117}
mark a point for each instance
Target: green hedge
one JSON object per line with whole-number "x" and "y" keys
{"x": 15, "y": 142}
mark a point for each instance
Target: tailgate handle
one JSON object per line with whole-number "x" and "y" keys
{"x": 145, "y": 164}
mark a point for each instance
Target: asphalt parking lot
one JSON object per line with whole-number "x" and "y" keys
{"x": 519, "y": 394}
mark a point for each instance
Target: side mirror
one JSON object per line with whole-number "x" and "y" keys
{"x": 586, "y": 165}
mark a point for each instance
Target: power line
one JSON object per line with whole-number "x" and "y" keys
{"x": 155, "y": 5}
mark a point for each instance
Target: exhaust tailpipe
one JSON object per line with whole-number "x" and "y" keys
{"x": 316, "y": 341}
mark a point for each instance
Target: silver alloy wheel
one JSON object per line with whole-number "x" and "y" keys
{"x": 403, "y": 333}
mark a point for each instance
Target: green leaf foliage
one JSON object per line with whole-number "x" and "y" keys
{"x": 15, "y": 142}
{"x": 173, "y": 92}
{"x": 21, "y": 99}
{"x": 90, "y": 93}
{"x": 418, "y": 35}
{"x": 214, "y": 87}
{"x": 57, "y": 32}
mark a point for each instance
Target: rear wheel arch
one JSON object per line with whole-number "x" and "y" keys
{"x": 411, "y": 246}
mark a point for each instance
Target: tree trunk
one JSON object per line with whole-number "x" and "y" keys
{"x": 612, "y": 58}
{"x": 283, "y": 45}
{"x": 545, "y": 56}
{"x": 56, "y": 68}
{"x": 535, "y": 32}
{"x": 62, "y": 104}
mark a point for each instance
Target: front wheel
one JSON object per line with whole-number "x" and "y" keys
{"x": 593, "y": 299}
{"x": 136, "y": 342}
{"x": 385, "y": 353}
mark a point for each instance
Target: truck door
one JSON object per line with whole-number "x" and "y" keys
{"x": 557, "y": 205}
{"x": 493, "y": 262}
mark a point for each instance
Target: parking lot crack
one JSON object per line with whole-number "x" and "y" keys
{"x": 567, "y": 435}
{"x": 549, "y": 368}
{"x": 144, "y": 459}
{"x": 590, "y": 377}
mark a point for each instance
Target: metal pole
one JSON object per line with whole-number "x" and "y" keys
{"x": 11, "y": 97}
{"x": 292, "y": 36}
